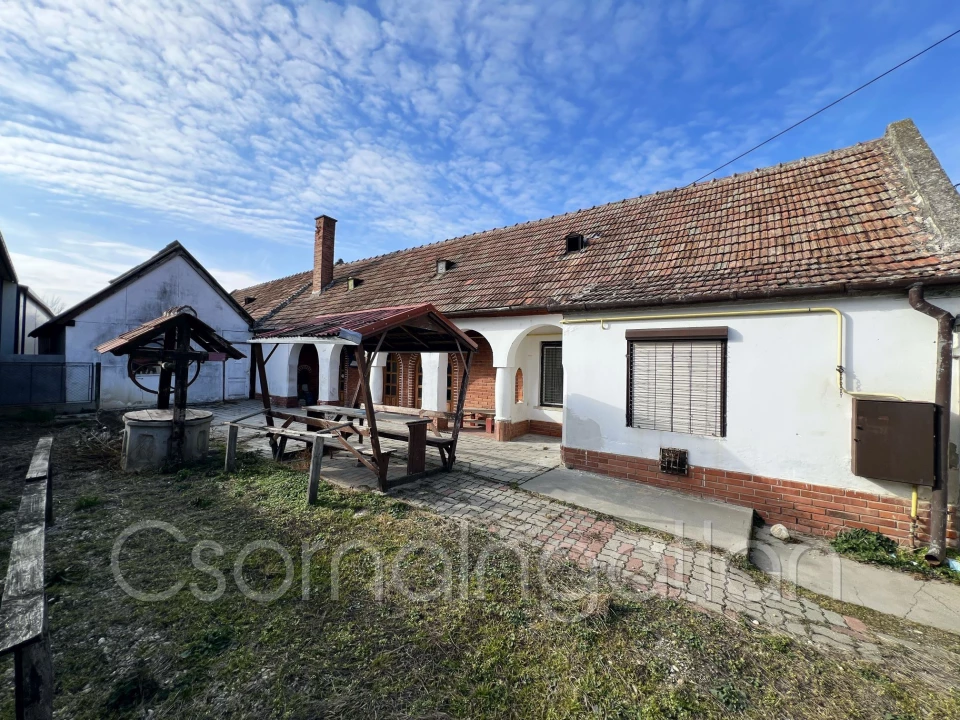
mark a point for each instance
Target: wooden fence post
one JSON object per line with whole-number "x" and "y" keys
{"x": 231, "y": 460}
{"x": 316, "y": 460}
{"x": 23, "y": 609}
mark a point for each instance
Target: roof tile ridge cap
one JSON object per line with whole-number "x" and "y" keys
{"x": 922, "y": 174}
{"x": 283, "y": 303}
{"x": 790, "y": 165}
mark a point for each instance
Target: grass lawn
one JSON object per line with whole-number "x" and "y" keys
{"x": 496, "y": 650}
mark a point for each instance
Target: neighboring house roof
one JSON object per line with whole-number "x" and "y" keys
{"x": 876, "y": 215}
{"x": 413, "y": 328}
{"x": 118, "y": 283}
{"x": 38, "y": 301}
{"x": 6, "y": 264}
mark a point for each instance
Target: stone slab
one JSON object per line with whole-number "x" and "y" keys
{"x": 716, "y": 524}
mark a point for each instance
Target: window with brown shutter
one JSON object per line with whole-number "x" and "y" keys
{"x": 551, "y": 374}
{"x": 677, "y": 380}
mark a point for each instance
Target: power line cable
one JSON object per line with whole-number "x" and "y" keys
{"x": 827, "y": 107}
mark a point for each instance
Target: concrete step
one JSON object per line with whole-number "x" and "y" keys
{"x": 719, "y": 525}
{"x": 812, "y": 564}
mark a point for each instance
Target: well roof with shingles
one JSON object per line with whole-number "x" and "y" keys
{"x": 849, "y": 219}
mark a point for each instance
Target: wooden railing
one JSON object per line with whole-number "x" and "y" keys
{"x": 23, "y": 609}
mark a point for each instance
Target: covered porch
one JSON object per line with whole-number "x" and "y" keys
{"x": 515, "y": 387}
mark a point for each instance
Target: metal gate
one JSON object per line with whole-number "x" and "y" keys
{"x": 40, "y": 383}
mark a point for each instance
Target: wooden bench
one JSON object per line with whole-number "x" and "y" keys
{"x": 478, "y": 417}
{"x": 23, "y": 609}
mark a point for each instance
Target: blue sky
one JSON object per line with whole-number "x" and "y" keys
{"x": 229, "y": 126}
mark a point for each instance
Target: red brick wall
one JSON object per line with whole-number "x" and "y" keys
{"x": 544, "y": 427}
{"x": 506, "y": 430}
{"x": 281, "y": 400}
{"x": 323, "y": 249}
{"x": 481, "y": 390}
{"x": 814, "y": 509}
{"x": 352, "y": 377}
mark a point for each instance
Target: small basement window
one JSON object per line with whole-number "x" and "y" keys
{"x": 575, "y": 242}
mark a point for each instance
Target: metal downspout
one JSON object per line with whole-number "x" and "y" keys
{"x": 938, "y": 501}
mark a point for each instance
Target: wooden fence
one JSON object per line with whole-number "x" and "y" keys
{"x": 23, "y": 609}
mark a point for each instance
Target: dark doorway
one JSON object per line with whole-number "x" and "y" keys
{"x": 308, "y": 375}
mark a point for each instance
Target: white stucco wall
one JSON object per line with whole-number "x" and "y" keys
{"x": 173, "y": 283}
{"x": 785, "y": 416}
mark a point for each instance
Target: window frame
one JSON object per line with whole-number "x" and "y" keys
{"x": 684, "y": 335}
{"x": 543, "y": 345}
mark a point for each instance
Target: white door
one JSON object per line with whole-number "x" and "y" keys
{"x": 237, "y": 386}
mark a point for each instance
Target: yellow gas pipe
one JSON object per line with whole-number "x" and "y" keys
{"x": 745, "y": 313}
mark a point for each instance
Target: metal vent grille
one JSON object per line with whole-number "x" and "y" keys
{"x": 677, "y": 386}
{"x": 673, "y": 461}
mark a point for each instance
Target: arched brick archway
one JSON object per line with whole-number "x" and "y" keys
{"x": 481, "y": 389}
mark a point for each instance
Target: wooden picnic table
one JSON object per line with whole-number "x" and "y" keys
{"x": 337, "y": 410}
{"x": 413, "y": 431}
{"x": 480, "y": 417}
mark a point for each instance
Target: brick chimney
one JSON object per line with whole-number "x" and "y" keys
{"x": 323, "y": 252}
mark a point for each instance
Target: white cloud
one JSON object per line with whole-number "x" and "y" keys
{"x": 51, "y": 277}
{"x": 410, "y": 120}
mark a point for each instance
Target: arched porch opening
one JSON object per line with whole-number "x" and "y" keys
{"x": 483, "y": 376}
{"x": 308, "y": 375}
{"x": 536, "y": 358}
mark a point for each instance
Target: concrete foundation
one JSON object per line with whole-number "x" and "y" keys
{"x": 146, "y": 438}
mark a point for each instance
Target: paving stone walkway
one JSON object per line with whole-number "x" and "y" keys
{"x": 646, "y": 563}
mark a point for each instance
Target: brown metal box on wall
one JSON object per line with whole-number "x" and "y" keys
{"x": 894, "y": 440}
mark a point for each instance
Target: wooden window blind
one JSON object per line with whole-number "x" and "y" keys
{"x": 551, "y": 374}
{"x": 677, "y": 386}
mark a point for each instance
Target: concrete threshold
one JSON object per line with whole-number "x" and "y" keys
{"x": 719, "y": 525}
{"x": 812, "y": 564}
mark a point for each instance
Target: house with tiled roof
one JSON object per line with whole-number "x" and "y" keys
{"x": 748, "y": 339}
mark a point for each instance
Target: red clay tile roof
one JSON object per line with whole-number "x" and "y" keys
{"x": 837, "y": 221}
{"x": 259, "y": 300}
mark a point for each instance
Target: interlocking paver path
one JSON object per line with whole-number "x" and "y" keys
{"x": 645, "y": 563}
{"x": 639, "y": 561}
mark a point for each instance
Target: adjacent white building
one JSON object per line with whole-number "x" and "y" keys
{"x": 171, "y": 278}
{"x": 21, "y": 311}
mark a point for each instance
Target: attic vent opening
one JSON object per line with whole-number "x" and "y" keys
{"x": 575, "y": 242}
{"x": 443, "y": 266}
{"x": 353, "y": 283}
{"x": 248, "y": 299}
